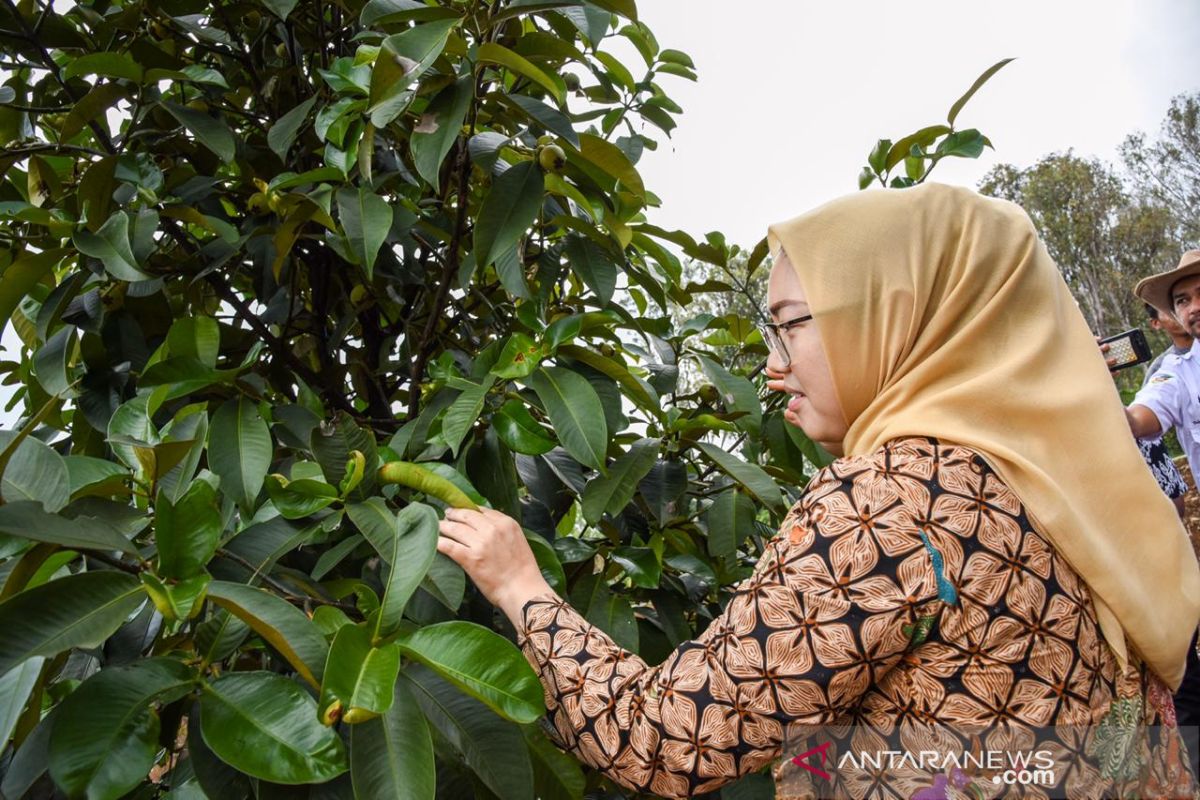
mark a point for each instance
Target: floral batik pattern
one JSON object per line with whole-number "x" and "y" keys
{"x": 905, "y": 592}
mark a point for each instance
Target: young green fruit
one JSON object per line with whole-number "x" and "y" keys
{"x": 416, "y": 477}
{"x": 552, "y": 158}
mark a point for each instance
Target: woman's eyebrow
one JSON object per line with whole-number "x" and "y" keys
{"x": 774, "y": 309}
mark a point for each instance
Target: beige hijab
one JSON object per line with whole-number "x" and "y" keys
{"x": 943, "y": 315}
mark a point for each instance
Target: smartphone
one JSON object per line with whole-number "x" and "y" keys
{"x": 1128, "y": 348}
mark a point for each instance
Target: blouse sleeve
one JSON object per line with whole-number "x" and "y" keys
{"x": 822, "y": 617}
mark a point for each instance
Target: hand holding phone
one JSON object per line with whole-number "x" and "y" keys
{"x": 1125, "y": 349}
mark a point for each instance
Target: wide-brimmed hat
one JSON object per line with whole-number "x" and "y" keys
{"x": 1156, "y": 290}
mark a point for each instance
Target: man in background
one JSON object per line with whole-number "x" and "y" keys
{"x": 1170, "y": 480}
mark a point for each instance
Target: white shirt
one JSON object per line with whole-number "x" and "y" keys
{"x": 1173, "y": 394}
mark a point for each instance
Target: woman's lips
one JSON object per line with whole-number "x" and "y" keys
{"x": 794, "y": 403}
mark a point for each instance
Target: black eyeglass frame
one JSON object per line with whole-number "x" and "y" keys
{"x": 770, "y": 333}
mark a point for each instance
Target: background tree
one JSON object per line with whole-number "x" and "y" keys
{"x": 1167, "y": 168}
{"x": 289, "y": 277}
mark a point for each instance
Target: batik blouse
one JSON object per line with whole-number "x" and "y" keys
{"x": 906, "y": 593}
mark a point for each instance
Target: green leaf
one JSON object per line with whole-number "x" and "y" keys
{"x": 299, "y": 498}
{"x": 492, "y": 747}
{"x": 110, "y": 244}
{"x": 612, "y": 492}
{"x": 556, "y": 775}
{"x": 499, "y": 54}
{"x": 440, "y": 126}
{"x": 29, "y": 520}
{"x": 196, "y": 337}
{"x": 575, "y": 412}
{"x": 240, "y": 450}
{"x": 281, "y": 8}
{"x": 508, "y": 210}
{"x": 402, "y": 59}
{"x": 283, "y": 133}
{"x": 979, "y": 82}
{"x": 446, "y": 581}
{"x": 517, "y": 428}
{"x": 963, "y": 144}
{"x": 209, "y": 131}
{"x": 902, "y": 148}
{"x": 462, "y": 414}
{"x": 21, "y": 276}
{"x": 407, "y": 542}
{"x": 677, "y": 57}
{"x": 391, "y": 757}
{"x": 279, "y": 623}
{"x": 737, "y": 393}
{"x": 366, "y": 218}
{"x": 640, "y": 564}
{"x": 751, "y": 476}
{"x": 611, "y": 161}
{"x": 358, "y": 676}
{"x": 520, "y": 356}
{"x": 594, "y": 264}
{"x": 16, "y": 685}
{"x": 730, "y": 518}
{"x": 111, "y": 740}
{"x": 96, "y": 102}
{"x": 110, "y": 65}
{"x": 482, "y": 663}
{"x": 636, "y": 388}
{"x": 36, "y": 472}
{"x": 187, "y": 530}
{"x": 77, "y": 611}
{"x": 177, "y": 600}
{"x": 266, "y": 726}
{"x": 548, "y": 117}
{"x": 878, "y": 157}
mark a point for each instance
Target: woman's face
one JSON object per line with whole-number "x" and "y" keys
{"x": 813, "y": 403}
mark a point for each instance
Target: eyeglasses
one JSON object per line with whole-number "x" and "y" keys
{"x": 770, "y": 333}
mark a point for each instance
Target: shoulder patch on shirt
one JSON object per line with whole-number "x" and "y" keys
{"x": 1161, "y": 377}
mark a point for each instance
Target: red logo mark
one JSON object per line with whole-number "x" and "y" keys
{"x": 821, "y": 751}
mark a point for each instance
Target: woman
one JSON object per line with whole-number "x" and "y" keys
{"x": 988, "y": 557}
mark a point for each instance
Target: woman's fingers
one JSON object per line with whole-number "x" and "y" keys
{"x": 456, "y": 531}
{"x": 453, "y": 550}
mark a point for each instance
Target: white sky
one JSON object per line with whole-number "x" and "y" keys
{"x": 793, "y": 93}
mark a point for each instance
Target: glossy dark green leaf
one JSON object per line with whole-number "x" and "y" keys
{"x": 518, "y": 429}
{"x": 36, "y": 473}
{"x": 963, "y": 144}
{"x": 612, "y": 492}
{"x": 77, "y": 611}
{"x": 519, "y": 357}
{"x": 391, "y": 756}
{"x": 110, "y": 65}
{"x": 548, "y": 117}
{"x": 111, "y": 245}
{"x": 15, "y": 687}
{"x": 482, "y": 663}
{"x": 299, "y": 498}
{"x": 266, "y": 726}
{"x": 240, "y": 450}
{"x": 594, "y": 265}
{"x": 749, "y": 475}
{"x": 730, "y": 519}
{"x": 211, "y": 132}
{"x": 492, "y": 747}
{"x": 508, "y": 210}
{"x": 111, "y": 740}
{"x": 463, "y": 413}
{"x": 280, "y": 624}
{"x": 737, "y": 394}
{"x": 556, "y": 775}
{"x": 366, "y": 218}
{"x": 283, "y": 133}
{"x": 407, "y": 542}
{"x": 575, "y": 412}
{"x": 358, "y": 676}
{"x": 439, "y": 127}
{"x": 402, "y": 59}
{"x": 187, "y": 531}
{"x": 640, "y": 563}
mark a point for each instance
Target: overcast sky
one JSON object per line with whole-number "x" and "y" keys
{"x": 793, "y": 93}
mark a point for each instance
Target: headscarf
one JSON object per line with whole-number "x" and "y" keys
{"x": 941, "y": 314}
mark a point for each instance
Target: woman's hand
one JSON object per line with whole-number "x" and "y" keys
{"x": 491, "y": 548}
{"x": 775, "y": 384}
